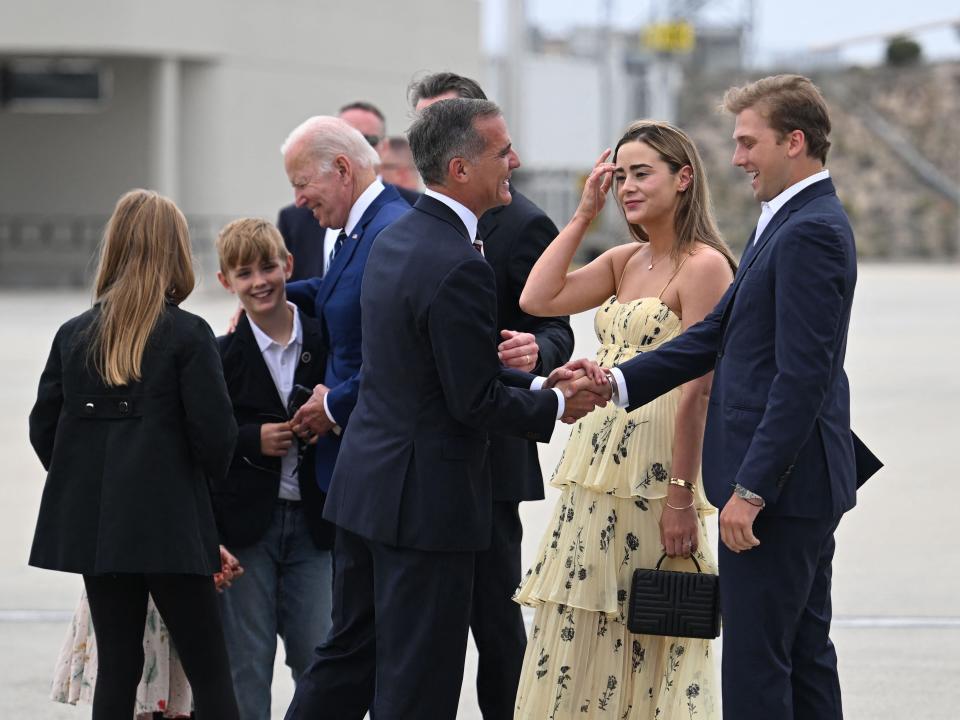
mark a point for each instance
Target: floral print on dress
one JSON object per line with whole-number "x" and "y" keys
{"x": 163, "y": 687}
{"x": 582, "y": 661}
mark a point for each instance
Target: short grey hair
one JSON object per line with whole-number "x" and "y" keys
{"x": 445, "y": 130}
{"x": 323, "y": 137}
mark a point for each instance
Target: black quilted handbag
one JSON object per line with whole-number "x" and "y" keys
{"x": 678, "y": 604}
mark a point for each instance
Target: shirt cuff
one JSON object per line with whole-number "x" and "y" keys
{"x": 561, "y": 402}
{"x": 326, "y": 409}
{"x": 537, "y": 383}
{"x": 622, "y": 400}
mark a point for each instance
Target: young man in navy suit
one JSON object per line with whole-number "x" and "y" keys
{"x": 778, "y": 454}
{"x": 514, "y": 236}
{"x": 409, "y": 495}
{"x": 332, "y": 169}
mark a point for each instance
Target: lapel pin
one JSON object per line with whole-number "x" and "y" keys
{"x": 354, "y": 236}
{"x": 306, "y": 357}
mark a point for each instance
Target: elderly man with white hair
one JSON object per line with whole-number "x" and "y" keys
{"x": 288, "y": 583}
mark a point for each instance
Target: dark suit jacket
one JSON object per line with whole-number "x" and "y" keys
{"x": 245, "y": 512}
{"x": 303, "y": 236}
{"x": 779, "y": 415}
{"x": 514, "y": 237}
{"x": 410, "y": 469}
{"x": 129, "y": 469}
{"x": 335, "y": 301}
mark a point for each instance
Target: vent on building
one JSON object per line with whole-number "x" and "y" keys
{"x": 55, "y": 85}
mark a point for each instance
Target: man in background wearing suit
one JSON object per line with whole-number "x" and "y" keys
{"x": 332, "y": 169}
{"x": 409, "y": 495}
{"x": 778, "y": 454}
{"x": 513, "y": 238}
{"x": 309, "y": 242}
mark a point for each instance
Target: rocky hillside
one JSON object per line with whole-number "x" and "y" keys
{"x": 895, "y": 157}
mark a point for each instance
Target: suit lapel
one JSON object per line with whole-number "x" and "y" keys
{"x": 259, "y": 383}
{"x": 753, "y": 249}
{"x": 309, "y": 352}
{"x": 349, "y": 248}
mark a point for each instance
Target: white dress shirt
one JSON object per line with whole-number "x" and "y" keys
{"x": 769, "y": 209}
{"x": 281, "y": 361}
{"x": 470, "y": 221}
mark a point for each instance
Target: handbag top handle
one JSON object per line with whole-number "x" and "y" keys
{"x": 664, "y": 557}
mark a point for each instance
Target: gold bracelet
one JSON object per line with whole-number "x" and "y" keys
{"x": 685, "y": 507}
{"x": 680, "y": 482}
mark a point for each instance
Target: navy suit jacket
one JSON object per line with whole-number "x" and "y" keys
{"x": 778, "y": 421}
{"x": 245, "y": 511}
{"x": 303, "y": 236}
{"x": 410, "y": 472}
{"x": 335, "y": 300}
{"x": 514, "y": 236}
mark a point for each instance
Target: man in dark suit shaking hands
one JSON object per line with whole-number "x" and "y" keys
{"x": 409, "y": 496}
{"x": 778, "y": 454}
{"x": 514, "y": 236}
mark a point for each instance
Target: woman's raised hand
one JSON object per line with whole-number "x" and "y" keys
{"x": 595, "y": 188}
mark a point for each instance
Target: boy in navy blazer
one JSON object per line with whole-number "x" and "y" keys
{"x": 271, "y": 520}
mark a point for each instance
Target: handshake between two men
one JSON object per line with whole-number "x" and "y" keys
{"x": 585, "y": 386}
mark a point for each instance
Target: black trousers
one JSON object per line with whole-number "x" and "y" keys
{"x": 188, "y": 606}
{"x": 399, "y": 636}
{"x": 495, "y": 619}
{"x": 778, "y": 660}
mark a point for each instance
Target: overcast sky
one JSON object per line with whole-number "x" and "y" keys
{"x": 781, "y": 27}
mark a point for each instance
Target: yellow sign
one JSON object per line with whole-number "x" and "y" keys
{"x": 674, "y": 37}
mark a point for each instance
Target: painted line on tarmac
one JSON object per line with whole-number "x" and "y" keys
{"x": 861, "y": 622}
{"x": 856, "y": 622}
{"x": 35, "y": 616}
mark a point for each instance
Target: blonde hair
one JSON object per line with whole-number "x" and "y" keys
{"x": 693, "y": 218}
{"x": 145, "y": 261}
{"x": 248, "y": 240}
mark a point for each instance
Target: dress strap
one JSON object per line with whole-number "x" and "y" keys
{"x": 675, "y": 273}
{"x": 624, "y": 270}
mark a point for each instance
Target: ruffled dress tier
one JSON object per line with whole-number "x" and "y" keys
{"x": 581, "y": 660}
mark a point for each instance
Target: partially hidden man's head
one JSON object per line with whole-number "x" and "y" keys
{"x": 368, "y": 119}
{"x": 329, "y": 164}
{"x": 442, "y": 86}
{"x": 462, "y": 148}
{"x": 782, "y": 125}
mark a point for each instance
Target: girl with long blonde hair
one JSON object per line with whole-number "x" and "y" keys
{"x": 134, "y": 426}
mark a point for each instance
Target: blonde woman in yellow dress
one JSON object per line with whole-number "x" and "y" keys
{"x": 630, "y": 481}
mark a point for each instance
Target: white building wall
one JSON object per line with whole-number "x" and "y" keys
{"x": 247, "y": 73}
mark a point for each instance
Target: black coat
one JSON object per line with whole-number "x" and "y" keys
{"x": 129, "y": 469}
{"x": 514, "y": 237}
{"x": 410, "y": 469}
{"x": 245, "y": 511}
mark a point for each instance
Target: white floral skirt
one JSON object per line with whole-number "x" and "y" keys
{"x": 163, "y": 687}
{"x": 581, "y": 660}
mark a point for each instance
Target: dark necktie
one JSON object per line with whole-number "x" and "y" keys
{"x": 336, "y": 247}
{"x": 478, "y": 246}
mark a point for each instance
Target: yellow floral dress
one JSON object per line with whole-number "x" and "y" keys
{"x": 581, "y": 661}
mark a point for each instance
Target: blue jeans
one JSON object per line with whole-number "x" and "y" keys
{"x": 285, "y": 590}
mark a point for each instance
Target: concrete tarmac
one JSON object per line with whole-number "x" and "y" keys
{"x": 896, "y": 579}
